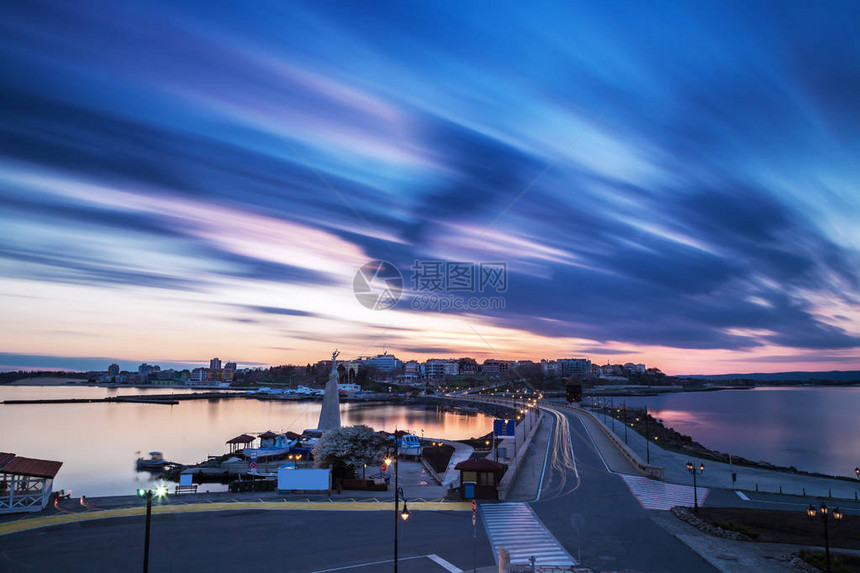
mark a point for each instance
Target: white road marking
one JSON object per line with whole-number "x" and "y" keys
{"x": 517, "y": 528}
{"x": 444, "y": 564}
{"x": 593, "y": 445}
{"x": 357, "y": 565}
{"x": 545, "y": 458}
{"x": 653, "y": 494}
{"x": 742, "y": 495}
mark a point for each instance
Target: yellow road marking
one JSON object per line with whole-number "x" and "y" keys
{"x": 60, "y": 519}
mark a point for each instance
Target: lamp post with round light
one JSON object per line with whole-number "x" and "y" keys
{"x": 148, "y": 494}
{"x": 648, "y": 438}
{"x": 857, "y": 472}
{"x": 825, "y": 513}
{"x": 399, "y": 515}
{"x": 398, "y": 495}
{"x": 691, "y": 467}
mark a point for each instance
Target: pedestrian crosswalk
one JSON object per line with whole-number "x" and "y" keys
{"x": 653, "y": 494}
{"x": 515, "y": 527}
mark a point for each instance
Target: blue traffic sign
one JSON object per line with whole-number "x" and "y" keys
{"x": 504, "y": 427}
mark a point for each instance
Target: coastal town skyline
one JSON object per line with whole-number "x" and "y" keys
{"x": 178, "y": 182}
{"x": 552, "y": 367}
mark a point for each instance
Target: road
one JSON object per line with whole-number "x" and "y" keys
{"x": 271, "y": 541}
{"x": 616, "y": 533}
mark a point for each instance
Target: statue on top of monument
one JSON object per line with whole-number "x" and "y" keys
{"x": 330, "y": 411}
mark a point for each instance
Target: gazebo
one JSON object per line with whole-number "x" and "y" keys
{"x": 267, "y": 439}
{"x": 240, "y": 442}
{"x": 25, "y": 483}
{"x": 479, "y": 478}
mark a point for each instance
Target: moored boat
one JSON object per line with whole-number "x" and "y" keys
{"x": 155, "y": 462}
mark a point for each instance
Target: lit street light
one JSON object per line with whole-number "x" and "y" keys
{"x": 693, "y": 470}
{"x": 160, "y": 491}
{"x": 857, "y": 472}
{"x": 625, "y": 421}
{"x": 398, "y": 495}
{"x": 648, "y": 439}
{"x": 825, "y": 511}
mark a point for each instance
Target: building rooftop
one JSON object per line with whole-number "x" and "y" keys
{"x": 243, "y": 439}
{"x": 19, "y": 465}
{"x": 481, "y": 464}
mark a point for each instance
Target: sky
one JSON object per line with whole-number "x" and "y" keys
{"x": 674, "y": 184}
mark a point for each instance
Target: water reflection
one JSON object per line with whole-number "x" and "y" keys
{"x": 809, "y": 428}
{"x": 98, "y": 443}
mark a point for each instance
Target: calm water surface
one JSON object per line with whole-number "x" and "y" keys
{"x": 98, "y": 443}
{"x": 813, "y": 429}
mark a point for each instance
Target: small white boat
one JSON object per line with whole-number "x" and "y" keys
{"x": 271, "y": 446}
{"x": 309, "y": 438}
{"x": 410, "y": 445}
{"x": 155, "y": 462}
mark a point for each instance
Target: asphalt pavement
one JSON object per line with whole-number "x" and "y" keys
{"x": 594, "y": 515}
{"x": 271, "y": 541}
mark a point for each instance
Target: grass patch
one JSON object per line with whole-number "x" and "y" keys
{"x": 484, "y": 443}
{"x": 776, "y": 526}
{"x": 737, "y": 528}
{"x": 838, "y": 563}
{"x": 438, "y": 456}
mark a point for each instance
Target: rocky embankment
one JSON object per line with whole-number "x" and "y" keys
{"x": 670, "y": 439}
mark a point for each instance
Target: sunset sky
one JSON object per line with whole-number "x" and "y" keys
{"x": 668, "y": 183}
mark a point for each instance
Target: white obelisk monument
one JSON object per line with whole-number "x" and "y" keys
{"x": 330, "y": 413}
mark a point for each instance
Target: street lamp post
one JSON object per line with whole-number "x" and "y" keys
{"x": 648, "y": 438}
{"x": 825, "y": 512}
{"x": 694, "y": 470}
{"x": 148, "y": 494}
{"x": 398, "y": 495}
{"x": 625, "y": 421}
{"x": 857, "y": 472}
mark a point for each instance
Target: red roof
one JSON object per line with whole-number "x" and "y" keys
{"x": 482, "y": 464}
{"x": 22, "y": 466}
{"x": 5, "y": 458}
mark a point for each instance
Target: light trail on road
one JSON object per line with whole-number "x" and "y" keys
{"x": 562, "y": 460}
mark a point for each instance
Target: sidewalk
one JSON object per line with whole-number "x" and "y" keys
{"x": 462, "y": 452}
{"x": 726, "y": 555}
{"x": 719, "y": 475}
{"x": 526, "y": 486}
{"x": 609, "y": 452}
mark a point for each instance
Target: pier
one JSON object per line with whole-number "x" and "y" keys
{"x": 170, "y": 399}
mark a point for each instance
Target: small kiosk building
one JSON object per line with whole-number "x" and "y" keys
{"x": 25, "y": 483}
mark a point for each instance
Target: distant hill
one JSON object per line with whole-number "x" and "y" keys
{"x": 833, "y": 376}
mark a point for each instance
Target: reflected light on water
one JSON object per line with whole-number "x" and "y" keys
{"x": 811, "y": 428}
{"x": 98, "y": 443}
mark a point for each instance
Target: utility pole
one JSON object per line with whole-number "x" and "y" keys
{"x": 396, "y": 494}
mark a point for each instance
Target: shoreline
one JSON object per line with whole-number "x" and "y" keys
{"x": 668, "y": 438}
{"x": 674, "y": 441}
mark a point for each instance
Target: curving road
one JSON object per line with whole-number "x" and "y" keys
{"x": 592, "y": 512}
